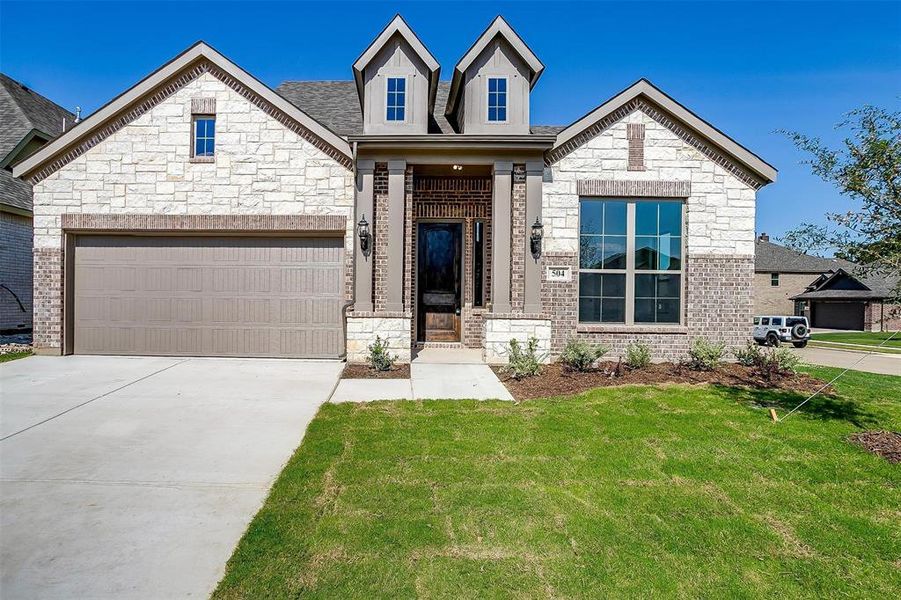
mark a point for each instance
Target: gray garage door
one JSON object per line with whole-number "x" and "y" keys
{"x": 838, "y": 315}
{"x": 208, "y": 296}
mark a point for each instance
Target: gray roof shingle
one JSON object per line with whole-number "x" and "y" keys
{"x": 773, "y": 258}
{"x": 336, "y": 105}
{"x": 22, "y": 111}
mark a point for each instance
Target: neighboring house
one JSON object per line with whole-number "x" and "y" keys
{"x": 203, "y": 213}
{"x": 842, "y": 300}
{"x": 27, "y": 122}
{"x": 781, "y": 273}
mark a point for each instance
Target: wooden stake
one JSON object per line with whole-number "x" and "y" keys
{"x": 773, "y": 415}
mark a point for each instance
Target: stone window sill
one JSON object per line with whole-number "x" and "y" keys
{"x": 203, "y": 159}
{"x": 659, "y": 329}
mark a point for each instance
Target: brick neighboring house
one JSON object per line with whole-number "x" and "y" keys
{"x": 830, "y": 292}
{"x": 28, "y": 122}
{"x": 781, "y": 273}
{"x": 201, "y": 212}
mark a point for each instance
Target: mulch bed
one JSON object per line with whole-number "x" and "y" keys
{"x": 886, "y": 444}
{"x": 556, "y": 380}
{"x": 367, "y": 372}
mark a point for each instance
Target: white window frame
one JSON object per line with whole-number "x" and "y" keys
{"x": 488, "y": 99}
{"x": 406, "y": 91}
{"x": 774, "y": 279}
{"x": 630, "y": 271}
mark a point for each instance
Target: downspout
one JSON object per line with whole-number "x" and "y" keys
{"x": 353, "y": 254}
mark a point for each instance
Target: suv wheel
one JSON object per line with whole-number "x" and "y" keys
{"x": 772, "y": 340}
{"x": 800, "y": 344}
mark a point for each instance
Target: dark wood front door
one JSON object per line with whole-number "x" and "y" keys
{"x": 438, "y": 289}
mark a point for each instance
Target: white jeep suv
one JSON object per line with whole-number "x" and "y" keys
{"x": 773, "y": 330}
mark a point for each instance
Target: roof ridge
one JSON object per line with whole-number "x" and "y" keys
{"x": 3, "y": 78}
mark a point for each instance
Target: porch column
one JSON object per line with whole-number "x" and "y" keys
{"x": 363, "y": 260}
{"x": 501, "y": 225}
{"x": 395, "y": 242}
{"x": 532, "y": 274}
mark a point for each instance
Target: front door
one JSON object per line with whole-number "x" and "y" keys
{"x": 438, "y": 288}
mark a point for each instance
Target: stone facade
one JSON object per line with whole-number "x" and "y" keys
{"x": 15, "y": 271}
{"x": 144, "y": 167}
{"x": 719, "y": 234}
{"x": 363, "y": 328}
{"x": 500, "y": 329}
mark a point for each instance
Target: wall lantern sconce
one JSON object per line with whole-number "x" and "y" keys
{"x": 363, "y": 234}
{"x": 537, "y": 235}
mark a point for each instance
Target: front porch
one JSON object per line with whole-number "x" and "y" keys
{"x": 448, "y": 261}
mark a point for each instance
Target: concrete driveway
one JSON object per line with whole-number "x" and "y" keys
{"x": 136, "y": 477}
{"x": 871, "y": 362}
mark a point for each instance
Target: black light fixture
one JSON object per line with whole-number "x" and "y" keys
{"x": 537, "y": 235}
{"x": 363, "y": 233}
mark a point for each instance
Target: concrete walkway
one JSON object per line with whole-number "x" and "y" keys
{"x": 885, "y": 364}
{"x": 434, "y": 374}
{"x": 136, "y": 477}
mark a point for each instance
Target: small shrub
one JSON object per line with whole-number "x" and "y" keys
{"x": 638, "y": 355}
{"x": 748, "y": 356}
{"x": 704, "y": 355}
{"x": 379, "y": 357}
{"x": 579, "y": 355}
{"x": 777, "y": 361}
{"x": 524, "y": 361}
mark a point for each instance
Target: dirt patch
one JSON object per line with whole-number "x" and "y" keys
{"x": 367, "y": 372}
{"x": 886, "y": 444}
{"x": 556, "y": 380}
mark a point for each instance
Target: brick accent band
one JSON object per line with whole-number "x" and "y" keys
{"x": 233, "y": 223}
{"x": 652, "y": 188}
{"x": 635, "y": 136}
{"x": 203, "y": 106}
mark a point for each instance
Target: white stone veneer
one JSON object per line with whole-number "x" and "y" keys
{"x": 720, "y": 210}
{"x": 261, "y": 167}
{"x": 362, "y": 331}
{"x": 499, "y": 332}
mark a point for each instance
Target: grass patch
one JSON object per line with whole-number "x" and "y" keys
{"x": 631, "y": 491}
{"x": 14, "y": 356}
{"x": 865, "y": 338}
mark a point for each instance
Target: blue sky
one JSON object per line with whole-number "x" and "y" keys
{"x": 748, "y": 68}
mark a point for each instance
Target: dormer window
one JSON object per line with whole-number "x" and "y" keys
{"x": 396, "y": 99}
{"x": 497, "y": 99}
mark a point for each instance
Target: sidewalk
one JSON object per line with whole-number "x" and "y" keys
{"x": 885, "y": 364}
{"x": 434, "y": 374}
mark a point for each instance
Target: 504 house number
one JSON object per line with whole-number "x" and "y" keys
{"x": 559, "y": 274}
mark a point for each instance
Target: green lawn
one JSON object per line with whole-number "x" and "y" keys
{"x": 866, "y": 338}
{"x": 13, "y": 356}
{"x": 636, "y": 491}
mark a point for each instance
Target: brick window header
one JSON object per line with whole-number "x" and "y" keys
{"x": 203, "y": 106}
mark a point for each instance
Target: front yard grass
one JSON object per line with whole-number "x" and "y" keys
{"x": 864, "y": 338}
{"x": 644, "y": 491}
{"x": 10, "y": 356}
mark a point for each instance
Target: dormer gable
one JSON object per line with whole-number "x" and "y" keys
{"x": 397, "y": 80}
{"x": 491, "y": 84}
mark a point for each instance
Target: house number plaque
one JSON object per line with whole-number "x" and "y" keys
{"x": 559, "y": 274}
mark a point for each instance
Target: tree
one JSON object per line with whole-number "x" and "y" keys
{"x": 867, "y": 168}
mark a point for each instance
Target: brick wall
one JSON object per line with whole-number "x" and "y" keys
{"x": 262, "y": 167}
{"x": 518, "y": 248}
{"x": 775, "y": 300}
{"x": 16, "y": 266}
{"x": 878, "y": 317}
{"x": 380, "y": 236}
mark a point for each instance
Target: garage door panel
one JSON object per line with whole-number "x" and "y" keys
{"x": 838, "y": 315}
{"x": 209, "y": 296}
